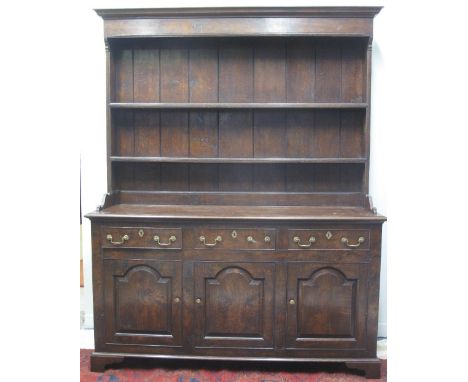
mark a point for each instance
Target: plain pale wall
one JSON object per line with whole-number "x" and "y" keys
{"x": 93, "y": 152}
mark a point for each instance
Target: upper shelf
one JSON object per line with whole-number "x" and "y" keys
{"x": 237, "y": 105}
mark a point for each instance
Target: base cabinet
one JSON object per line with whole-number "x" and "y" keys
{"x": 275, "y": 300}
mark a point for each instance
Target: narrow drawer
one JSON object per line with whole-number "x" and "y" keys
{"x": 237, "y": 239}
{"x": 310, "y": 239}
{"x": 141, "y": 237}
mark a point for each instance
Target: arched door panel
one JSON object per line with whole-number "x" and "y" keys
{"x": 143, "y": 302}
{"x": 234, "y": 304}
{"x": 326, "y": 305}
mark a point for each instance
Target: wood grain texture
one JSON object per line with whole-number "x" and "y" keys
{"x": 147, "y": 133}
{"x": 235, "y": 307}
{"x": 174, "y": 133}
{"x": 238, "y": 212}
{"x": 203, "y": 134}
{"x": 203, "y": 74}
{"x": 236, "y": 73}
{"x": 146, "y": 75}
{"x": 236, "y": 134}
{"x": 174, "y": 75}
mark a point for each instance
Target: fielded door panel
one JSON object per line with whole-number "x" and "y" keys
{"x": 326, "y": 306}
{"x": 234, "y": 304}
{"x": 143, "y": 302}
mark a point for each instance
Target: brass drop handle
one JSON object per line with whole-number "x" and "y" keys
{"x": 297, "y": 240}
{"x": 361, "y": 240}
{"x": 172, "y": 239}
{"x": 123, "y": 240}
{"x": 250, "y": 239}
{"x": 218, "y": 239}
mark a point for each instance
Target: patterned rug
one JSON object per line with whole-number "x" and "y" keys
{"x": 191, "y": 371}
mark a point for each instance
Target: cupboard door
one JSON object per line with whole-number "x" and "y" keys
{"x": 234, "y": 304}
{"x": 326, "y": 306}
{"x": 143, "y": 301}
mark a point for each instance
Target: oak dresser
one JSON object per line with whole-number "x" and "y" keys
{"x": 237, "y": 223}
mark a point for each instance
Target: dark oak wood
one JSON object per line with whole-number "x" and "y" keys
{"x": 237, "y": 223}
{"x": 238, "y": 105}
{"x": 159, "y": 159}
{"x": 238, "y": 212}
{"x": 371, "y": 369}
{"x": 99, "y": 362}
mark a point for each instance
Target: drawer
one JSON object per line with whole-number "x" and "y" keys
{"x": 310, "y": 239}
{"x": 237, "y": 239}
{"x": 141, "y": 237}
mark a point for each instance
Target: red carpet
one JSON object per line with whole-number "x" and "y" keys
{"x": 183, "y": 371}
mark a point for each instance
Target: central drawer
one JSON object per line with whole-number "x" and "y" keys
{"x": 237, "y": 239}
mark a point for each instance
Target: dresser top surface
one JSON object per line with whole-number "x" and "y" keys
{"x": 215, "y": 212}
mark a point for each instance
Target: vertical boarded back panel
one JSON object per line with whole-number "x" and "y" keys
{"x": 203, "y": 134}
{"x": 123, "y": 66}
{"x": 328, "y": 72}
{"x": 203, "y": 177}
{"x": 326, "y": 178}
{"x": 146, "y": 176}
{"x": 353, "y": 57}
{"x": 351, "y": 134}
{"x": 236, "y": 74}
{"x": 203, "y": 74}
{"x": 269, "y": 72}
{"x": 235, "y": 177}
{"x": 300, "y": 134}
{"x": 269, "y": 134}
{"x": 269, "y": 177}
{"x": 327, "y": 134}
{"x": 146, "y": 75}
{"x": 352, "y": 177}
{"x": 124, "y": 137}
{"x": 174, "y": 134}
{"x": 174, "y": 177}
{"x": 299, "y": 178}
{"x": 174, "y": 75}
{"x": 300, "y": 71}
{"x": 123, "y": 176}
{"x": 147, "y": 133}
{"x": 235, "y": 134}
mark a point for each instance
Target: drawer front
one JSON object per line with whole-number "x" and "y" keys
{"x": 237, "y": 239}
{"x": 141, "y": 237}
{"x": 311, "y": 239}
